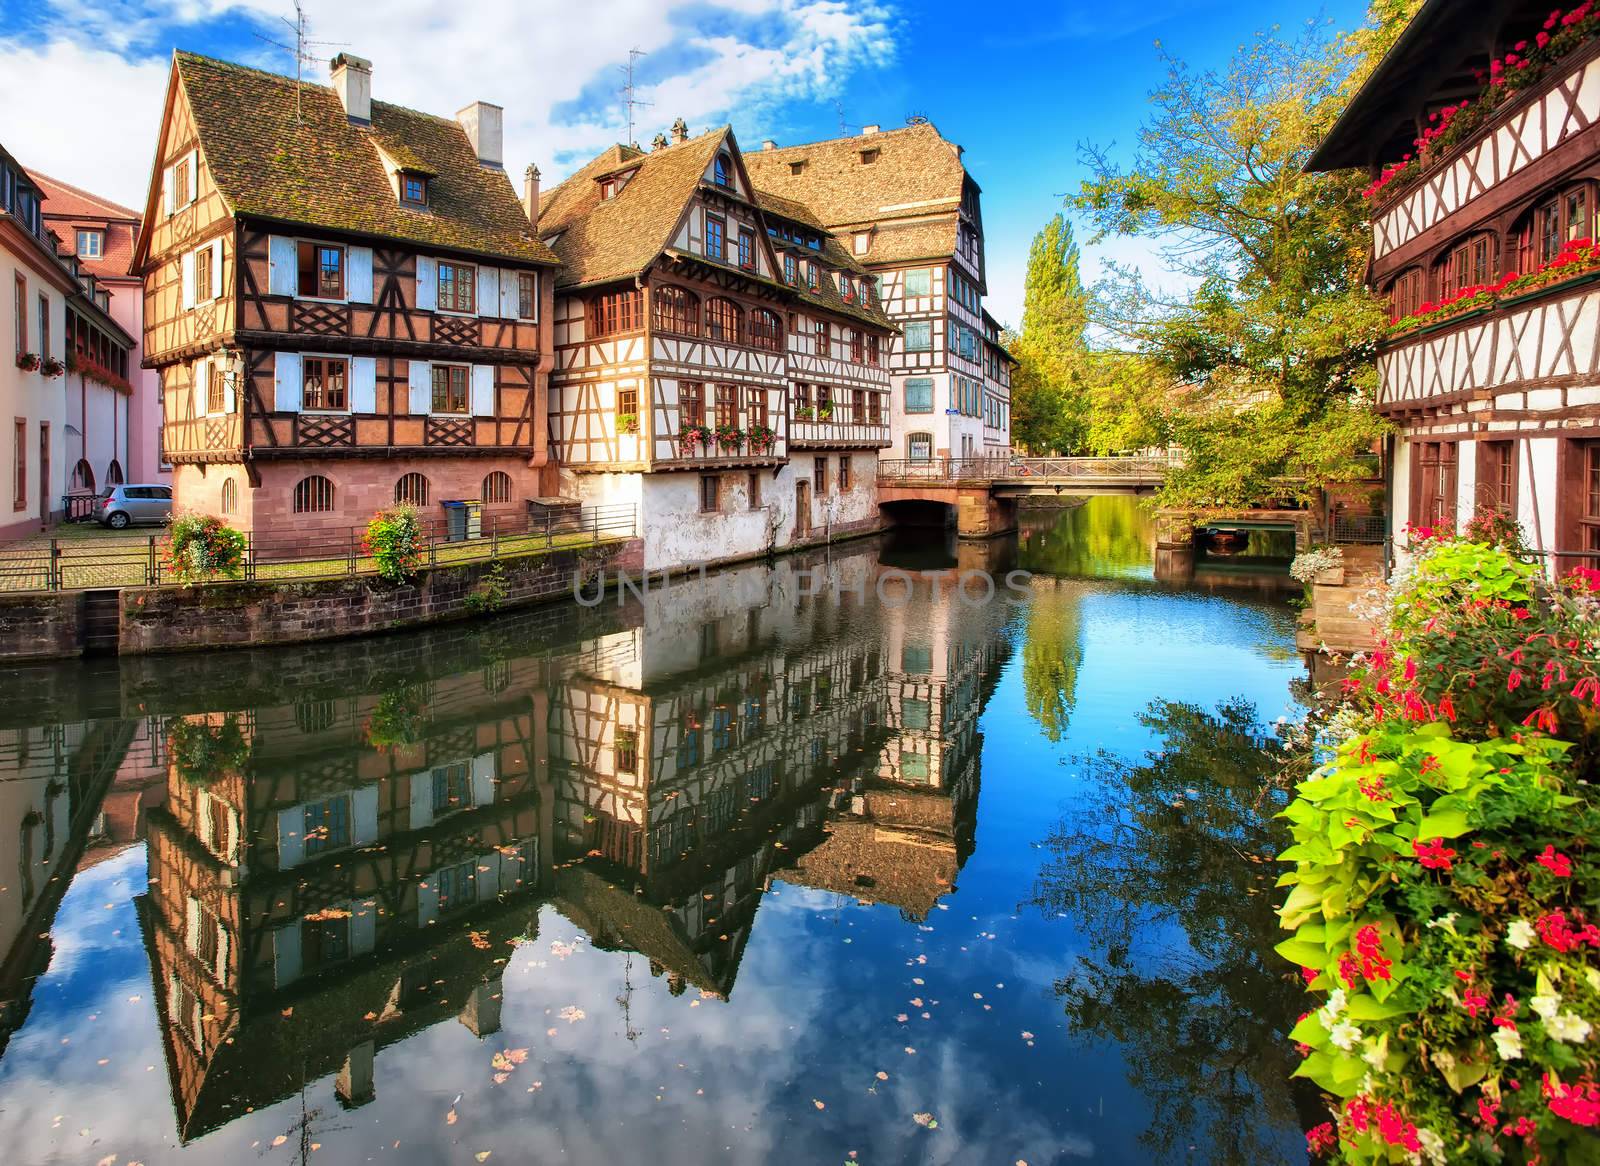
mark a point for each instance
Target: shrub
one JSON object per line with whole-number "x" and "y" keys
{"x": 201, "y": 751}
{"x": 491, "y": 591}
{"x": 1443, "y": 897}
{"x": 394, "y": 540}
{"x": 1308, "y": 565}
{"x": 201, "y": 547}
{"x": 399, "y": 718}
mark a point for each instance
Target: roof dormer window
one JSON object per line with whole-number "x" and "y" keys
{"x": 797, "y": 167}
{"x": 413, "y": 189}
{"x": 869, "y": 156}
{"x": 608, "y": 189}
{"x": 722, "y": 172}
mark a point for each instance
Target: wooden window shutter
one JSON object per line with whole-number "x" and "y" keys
{"x": 420, "y": 379}
{"x": 286, "y": 382}
{"x": 216, "y": 269}
{"x": 282, "y": 266}
{"x": 186, "y": 264}
{"x": 202, "y": 385}
{"x": 483, "y": 390}
{"x": 364, "y": 385}
{"x": 358, "y": 276}
{"x": 489, "y": 291}
{"x": 230, "y": 394}
{"x": 508, "y": 295}
{"x": 194, "y": 177}
{"x": 169, "y": 196}
{"x": 427, "y": 285}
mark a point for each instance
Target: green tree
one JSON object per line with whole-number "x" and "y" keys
{"x": 1275, "y": 341}
{"x": 1048, "y": 406}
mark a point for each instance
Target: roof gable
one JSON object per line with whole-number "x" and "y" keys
{"x": 302, "y": 161}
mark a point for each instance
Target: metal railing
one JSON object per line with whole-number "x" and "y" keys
{"x": 991, "y": 468}
{"x": 93, "y": 560}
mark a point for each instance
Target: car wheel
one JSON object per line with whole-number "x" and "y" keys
{"x": 117, "y": 520}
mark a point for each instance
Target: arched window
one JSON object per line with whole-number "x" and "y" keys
{"x": 722, "y": 172}
{"x": 1556, "y": 221}
{"x": 411, "y": 489}
{"x": 1469, "y": 263}
{"x": 766, "y": 331}
{"x": 497, "y": 487}
{"x": 1407, "y": 292}
{"x": 677, "y": 310}
{"x": 114, "y": 473}
{"x": 313, "y": 495}
{"x": 723, "y": 318}
{"x": 230, "y": 496}
{"x": 82, "y": 478}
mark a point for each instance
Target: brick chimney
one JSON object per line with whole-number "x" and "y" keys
{"x": 680, "y": 132}
{"x": 352, "y": 81}
{"x": 530, "y": 193}
{"x": 769, "y": 144}
{"x": 485, "y": 126}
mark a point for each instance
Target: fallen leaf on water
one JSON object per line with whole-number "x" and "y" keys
{"x": 280, "y": 1140}
{"x": 917, "y": 980}
{"x": 107, "y": 1160}
{"x": 572, "y": 1014}
{"x": 501, "y": 1078}
{"x": 818, "y": 1104}
{"x": 911, "y": 1051}
{"x": 482, "y": 1154}
{"x": 450, "y": 1118}
{"x": 925, "y": 1119}
{"x": 902, "y": 1017}
{"x": 916, "y": 1001}
{"x": 882, "y": 1076}
{"x": 288, "y": 1012}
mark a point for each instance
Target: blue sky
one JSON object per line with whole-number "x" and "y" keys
{"x": 1020, "y": 84}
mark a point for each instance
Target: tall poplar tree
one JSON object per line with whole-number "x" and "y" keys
{"x": 1048, "y": 404}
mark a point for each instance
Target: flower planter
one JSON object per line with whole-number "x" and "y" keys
{"x": 1449, "y": 321}
{"x": 1550, "y": 288}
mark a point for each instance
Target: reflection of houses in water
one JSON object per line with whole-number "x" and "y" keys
{"x": 694, "y": 766}
{"x": 52, "y": 781}
{"x": 312, "y": 894}
{"x": 905, "y": 832}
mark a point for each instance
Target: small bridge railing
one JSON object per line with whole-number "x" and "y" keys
{"x": 1015, "y": 469}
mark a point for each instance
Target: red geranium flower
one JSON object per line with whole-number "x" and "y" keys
{"x": 1557, "y": 864}
{"x": 1433, "y": 855}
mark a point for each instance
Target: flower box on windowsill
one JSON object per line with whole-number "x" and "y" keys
{"x": 1551, "y": 288}
{"x": 1450, "y": 321}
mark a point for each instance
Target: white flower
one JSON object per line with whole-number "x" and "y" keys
{"x": 1567, "y": 1026}
{"x": 1432, "y": 1145}
{"x": 1344, "y": 1035}
{"x": 1374, "y": 1056}
{"x": 1329, "y": 1012}
{"x": 1520, "y": 934}
{"x": 1508, "y": 1043}
{"x": 1546, "y": 1006}
{"x": 1448, "y": 922}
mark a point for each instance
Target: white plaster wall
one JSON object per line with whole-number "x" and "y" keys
{"x": 30, "y": 397}
{"x": 1536, "y": 491}
{"x": 1466, "y": 481}
{"x": 1400, "y": 498}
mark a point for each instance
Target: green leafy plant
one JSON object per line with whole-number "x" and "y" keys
{"x": 394, "y": 540}
{"x": 1444, "y": 890}
{"x": 729, "y": 438}
{"x": 491, "y": 591}
{"x": 202, "y": 751}
{"x": 201, "y": 547}
{"x": 627, "y": 423}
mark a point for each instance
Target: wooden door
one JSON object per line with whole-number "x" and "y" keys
{"x": 44, "y": 473}
{"x": 802, "y": 508}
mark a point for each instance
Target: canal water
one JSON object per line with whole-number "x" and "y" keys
{"x": 821, "y": 861}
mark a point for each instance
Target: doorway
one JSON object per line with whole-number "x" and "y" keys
{"x": 802, "y": 509}
{"x": 44, "y": 474}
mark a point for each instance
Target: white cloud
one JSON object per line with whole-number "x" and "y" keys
{"x": 554, "y": 66}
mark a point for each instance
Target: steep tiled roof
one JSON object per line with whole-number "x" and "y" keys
{"x": 66, "y": 208}
{"x": 915, "y": 173}
{"x": 605, "y": 239}
{"x": 322, "y": 171}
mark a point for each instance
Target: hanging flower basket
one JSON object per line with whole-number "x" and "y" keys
{"x": 28, "y": 361}
{"x": 762, "y": 439}
{"x": 729, "y": 438}
{"x": 692, "y": 437}
{"x": 51, "y": 367}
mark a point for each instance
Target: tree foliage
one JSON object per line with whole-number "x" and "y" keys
{"x": 1048, "y": 406}
{"x": 1274, "y": 338}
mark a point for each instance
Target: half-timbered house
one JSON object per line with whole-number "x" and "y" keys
{"x": 1481, "y": 130}
{"x": 904, "y": 207}
{"x": 344, "y": 299}
{"x": 689, "y": 322}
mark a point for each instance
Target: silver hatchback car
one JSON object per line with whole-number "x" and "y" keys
{"x": 126, "y": 506}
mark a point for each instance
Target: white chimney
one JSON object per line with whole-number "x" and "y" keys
{"x": 485, "y": 126}
{"x": 867, "y": 131}
{"x": 769, "y": 144}
{"x": 530, "y": 193}
{"x": 352, "y": 81}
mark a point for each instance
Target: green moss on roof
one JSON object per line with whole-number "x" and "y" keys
{"x": 320, "y": 170}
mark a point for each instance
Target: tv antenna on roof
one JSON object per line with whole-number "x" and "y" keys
{"x": 629, "y": 101}
{"x": 844, "y": 129}
{"x": 301, "y": 26}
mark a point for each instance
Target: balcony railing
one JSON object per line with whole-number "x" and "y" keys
{"x": 836, "y": 431}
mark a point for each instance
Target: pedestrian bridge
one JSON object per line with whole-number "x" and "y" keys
{"x": 983, "y": 491}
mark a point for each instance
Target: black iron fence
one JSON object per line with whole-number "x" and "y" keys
{"x": 93, "y": 559}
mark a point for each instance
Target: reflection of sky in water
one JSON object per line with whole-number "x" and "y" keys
{"x": 813, "y": 1012}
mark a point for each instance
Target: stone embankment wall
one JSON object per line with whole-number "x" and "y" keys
{"x": 230, "y": 615}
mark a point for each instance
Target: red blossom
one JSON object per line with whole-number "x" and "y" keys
{"x": 1556, "y": 863}
{"x": 1474, "y": 1002}
{"x": 1433, "y": 855}
{"x": 1578, "y": 1102}
{"x": 1320, "y": 1139}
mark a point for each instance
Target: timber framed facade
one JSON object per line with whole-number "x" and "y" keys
{"x": 721, "y": 362}
{"x": 1498, "y": 406}
{"x": 327, "y": 355}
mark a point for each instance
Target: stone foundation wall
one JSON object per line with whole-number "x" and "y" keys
{"x": 39, "y": 626}
{"x": 178, "y": 619}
